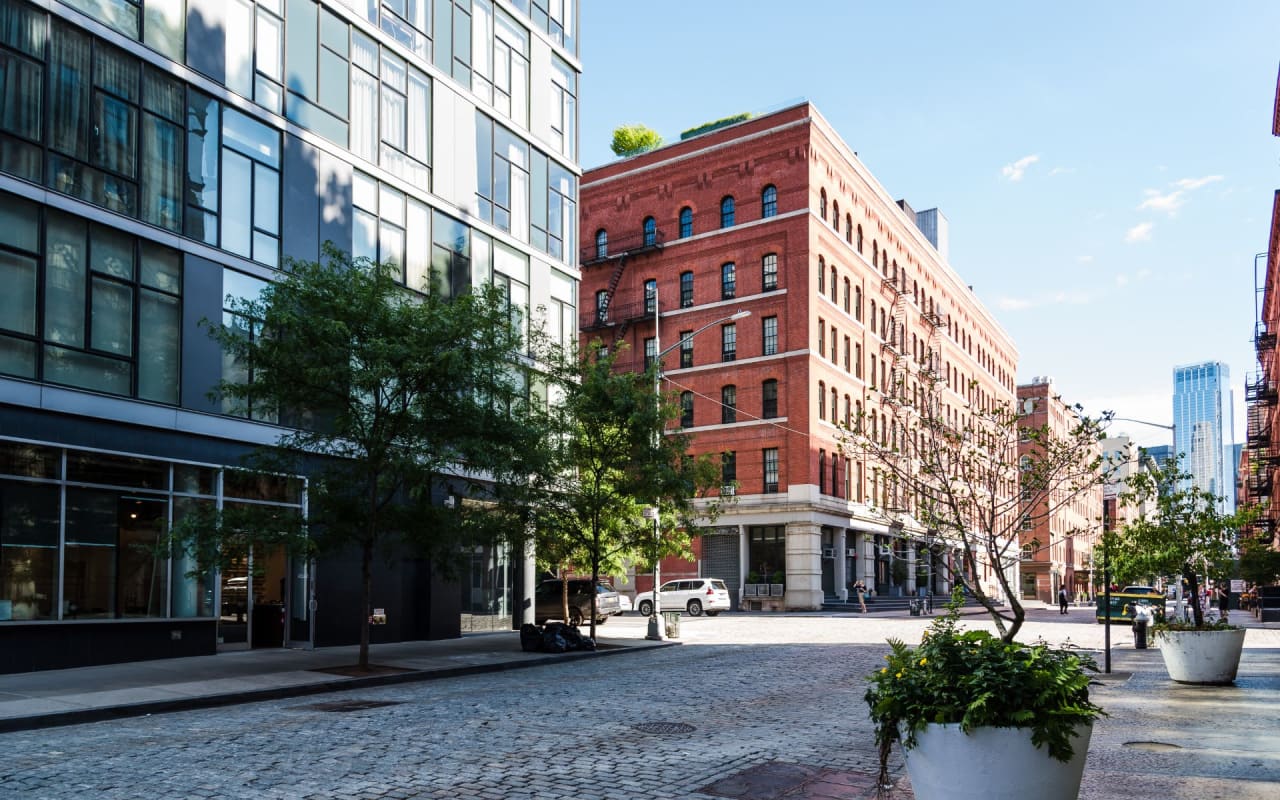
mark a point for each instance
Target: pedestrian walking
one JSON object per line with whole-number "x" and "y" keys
{"x": 861, "y": 589}
{"x": 1063, "y": 602}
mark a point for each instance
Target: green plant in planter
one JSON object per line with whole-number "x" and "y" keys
{"x": 1185, "y": 534}
{"x": 978, "y": 680}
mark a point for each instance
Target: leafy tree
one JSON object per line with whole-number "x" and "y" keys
{"x": 389, "y": 393}
{"x": 1259, "y": 564}
{"x": 632, "y": 140}
{"x": 608, "y": 455}
{"x": 957, "y": 474}
{"x": 1184, "y": 535}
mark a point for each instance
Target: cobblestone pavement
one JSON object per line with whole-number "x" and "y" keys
{"x": 780, "y": 695}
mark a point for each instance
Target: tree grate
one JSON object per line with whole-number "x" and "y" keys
{"x": 664, "y": 727}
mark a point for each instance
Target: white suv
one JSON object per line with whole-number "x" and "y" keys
{"x": 693, "y": 596}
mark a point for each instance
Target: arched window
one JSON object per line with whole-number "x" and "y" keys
{"x": 686, "y": 409}
{"x": 822, "y": 275}
{"x": 835, "y": 412}
{"x": 822, "y": 470}
{"x": 834, "y": 288}
{"x": 728, "y": 404}
{"x": 848, "y": 411}
{"x": 872, "y": 305}
{"x": 768, "y": 202}
{"x": 602, "y": 243}
{"x": 686, "y": 222}
{"x": 884, "y": 262}
{"x": 822, "y": 205}
{"x": 726, "y": 212}
{"x": 650, "y": 227}
{"x": 859, "y": 238}
{"x": 769, "y": 399}
{"x": 875, "y": 252}
{"x": 857, "y": 303}
{"x": 822, "y": 399}
{"x": 835, "y": 214}
{"x": 857, "y": 415}
{"x": 848, "y": 228}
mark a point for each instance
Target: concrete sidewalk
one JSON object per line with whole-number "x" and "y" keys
{"x": 87, "y": 694}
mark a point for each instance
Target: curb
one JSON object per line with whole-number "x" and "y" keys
{"x": 149, "y": 707}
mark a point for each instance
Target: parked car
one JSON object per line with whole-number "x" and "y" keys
{"x": 692, "y": 596}
{"x": 549, "y": 601}
{"x": 624, "y": 603}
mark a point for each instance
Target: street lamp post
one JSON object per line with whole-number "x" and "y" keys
{"x": 655, "y": 629}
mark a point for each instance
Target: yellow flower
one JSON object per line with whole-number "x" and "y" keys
{"x": 883, "y": 670}
{"x": 899, "y": 675}
{"x": 924, "y": 661}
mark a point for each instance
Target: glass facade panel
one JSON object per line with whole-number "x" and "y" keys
{"x": 17, "y": 293}
{"x": 28, "y": 549}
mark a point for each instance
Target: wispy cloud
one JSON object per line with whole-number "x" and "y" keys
{"x": 1061, "y": 171}
{"x": 1017, "y": 169}
{"x": 1139, "y": 233}
{"x": 1168, "y": 203}
{"x": 1065, "y": 297}
{"x": 1196, "y": 183}
{"x": 1122, "y": 280}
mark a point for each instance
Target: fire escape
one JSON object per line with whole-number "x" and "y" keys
{"x": 1262, "y": 443}
{"x": 894, "y": 392}
{"x": 606, "y": 314}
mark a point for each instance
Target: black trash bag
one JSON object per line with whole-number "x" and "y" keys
{"x": 553, "y": 640}
{"x": 530, "y": 638}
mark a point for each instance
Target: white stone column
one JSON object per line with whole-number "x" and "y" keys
{"x": 841, "y": 580}
{"x": 804, "y": 566}
{"x": 911, "y": 571}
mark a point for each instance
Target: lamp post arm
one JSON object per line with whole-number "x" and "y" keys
{"x": 711, "y": 324}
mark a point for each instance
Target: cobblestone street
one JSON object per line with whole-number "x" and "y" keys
{"x": 754, "y": 689}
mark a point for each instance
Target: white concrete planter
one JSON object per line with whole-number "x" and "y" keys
{"x": 1209, "y": 657}
{"x": 992, "y": 764}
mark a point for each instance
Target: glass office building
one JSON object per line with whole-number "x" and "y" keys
{"x": 1204, "y": 428}
{"x": 160, "y": 156}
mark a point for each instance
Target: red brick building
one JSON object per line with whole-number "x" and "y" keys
{"x": 847, "y": 296}
{"x": 1059, "y": 532}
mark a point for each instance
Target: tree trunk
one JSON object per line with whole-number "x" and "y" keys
{"x": 366, "y": 599}
{"x": 1197, "y": 613}
{"x": 595, "y": 597}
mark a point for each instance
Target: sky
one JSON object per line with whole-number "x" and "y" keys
{"x": 1107, "y": 168}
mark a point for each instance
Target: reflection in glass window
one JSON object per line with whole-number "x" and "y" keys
{"x": 502, "y": 177}
{"x": 686, "y": 222}
{"x": 28, "y": 550}
{"x": 250, "y": 188}
{"x": 728, "y": 404}
{"x": 726, "y": 212}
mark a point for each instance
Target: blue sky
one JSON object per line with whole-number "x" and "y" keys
{"x": 1107, "y": 168}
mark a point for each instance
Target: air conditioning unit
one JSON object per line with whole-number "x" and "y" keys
{"x": 728, "y": 490}
{"x": 828, "y": 552}
{"x": 851, "y": 552}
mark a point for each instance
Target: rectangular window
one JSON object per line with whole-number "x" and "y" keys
{"x": 857, "y": 360}
{"x": 728, "y": 342}
{"x": 650, "y": 297}
{"x": 822, "y": 471}
{"x": 770, "y": 470}
{"x": 650, "y": 352}
{"x": 686, "y": 349}
{"x": 770, "y": 328}
{"x": 769, "y": 272}
{"x": 122, "y": 15}
{"x": 450, "y": 256}
{"x": 554, "y": 221}
{"x": 728, "y": 467}
{"x": 728, "y": 281}
{"x": 848, "y": 346}
{"x": 728, "y": 404}
{"x": 769, "y": 399}
{"x": 835, "y": 337}
{"x": 822, "y": 337}
{"x": 250, "y": 188}
{"x": 686, "y": 289}
{"x": 564, "y": 107}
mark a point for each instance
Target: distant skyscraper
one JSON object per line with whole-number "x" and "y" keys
{"x": 1202, "y": 415}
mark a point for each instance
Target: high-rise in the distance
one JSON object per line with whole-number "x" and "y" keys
{"x": 1204, "y": 428}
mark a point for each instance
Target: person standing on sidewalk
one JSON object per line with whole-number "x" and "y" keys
{"x": 861, "y": 589}
{"x": 1062, "y": 600}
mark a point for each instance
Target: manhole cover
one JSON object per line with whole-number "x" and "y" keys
{"x": 664, "y": 727}
{"x": 350, "y": 705}
{"x": 1153, "y": 747}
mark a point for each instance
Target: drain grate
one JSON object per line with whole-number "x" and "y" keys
{"x": 1154, "y": 747}
{"x": 342, "y": 706}
{"x": 664, "y": 727}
